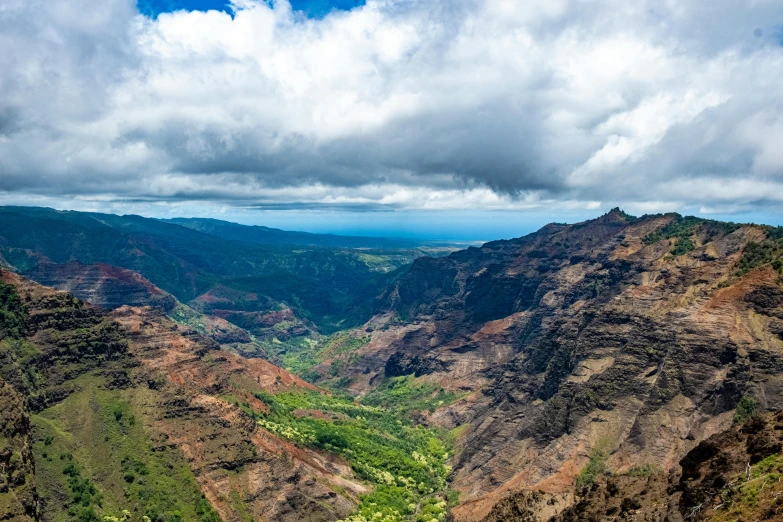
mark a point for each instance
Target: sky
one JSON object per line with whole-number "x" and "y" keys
{"x": 453, "y": 119}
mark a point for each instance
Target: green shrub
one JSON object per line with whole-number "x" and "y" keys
{"x": 595, "y": 466}
{"x": 683, "y": 246}
{"x": 683, "y": 229}
{"x": 13, "y": 314}
{"x": 407, "y": 394}
{"x": 759, "y": 253}
{"x": 746, "y": 408}
{"x": 644, "y": 470}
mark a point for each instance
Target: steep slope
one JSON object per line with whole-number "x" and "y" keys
{"x": 619, "y": 339}
{"x": 126, "y": 414}
{"x": 112, "y": 287}
{"x": 733, "y": 475}
{"x": 330, "y": 288}
{"x": 120, "y": 411}
{"x": 18, "y": 495}
{"x": 103, "y": 285}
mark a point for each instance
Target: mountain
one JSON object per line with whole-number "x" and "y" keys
{"x": 733, "y": 475}
{"x": 324, "y": 287}
{"x": 623, "y": 368}
{"x": 272, "y": 236}
{"x": 116, "y": 411}
{"x": 126, "y": 415}
{"x": 622, "y": 341}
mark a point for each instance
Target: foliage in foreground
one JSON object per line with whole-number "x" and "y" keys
{"x": 752, "y": 495}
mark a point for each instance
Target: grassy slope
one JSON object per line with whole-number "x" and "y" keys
{"x": 100, "y": 432}
{"x": 93, "y": 457}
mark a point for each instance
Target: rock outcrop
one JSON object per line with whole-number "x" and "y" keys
{"x": 18, "y": 494}
{"x": 634, "y": 338}
{"x": 102, "y": 285}
{"x": 177, "y": 383}
{"x": 733, "y": 475}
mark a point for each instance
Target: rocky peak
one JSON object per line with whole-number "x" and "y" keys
{"x": 633, "y": 338}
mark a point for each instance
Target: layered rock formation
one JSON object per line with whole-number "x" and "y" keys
{"x": 229, "y": 454}
{"x": 733, "y": 475}
{"x": 136, "y": 366}
{"x": 18, "y": 495}
{"x": 633, "y": 338}
{"x": 103, "y": 285}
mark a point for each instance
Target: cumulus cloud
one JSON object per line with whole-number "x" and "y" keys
{"x": 410, "y": 104}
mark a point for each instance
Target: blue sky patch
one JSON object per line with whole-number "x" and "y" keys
{"x": 312, "y": 8}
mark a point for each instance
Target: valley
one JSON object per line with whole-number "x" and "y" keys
{"x": 549, "y": 377}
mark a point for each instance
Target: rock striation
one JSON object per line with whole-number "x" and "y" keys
{"x": 633, "y": 338}
{"x": 176, "y": 383}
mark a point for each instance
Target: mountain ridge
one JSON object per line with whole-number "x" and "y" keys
{"x": 582, "y": 336}
{"x": 274, "y": 236}
{"x": 532, "y": 368}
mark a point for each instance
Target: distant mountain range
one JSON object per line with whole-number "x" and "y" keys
{"x": 272, "y": 236}
{"x": 326, "y": 280}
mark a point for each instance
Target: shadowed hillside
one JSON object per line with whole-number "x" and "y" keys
{"x": 619, "y": 341}
{"x": 328, "y": 288}
{"x": 571, "y": 374}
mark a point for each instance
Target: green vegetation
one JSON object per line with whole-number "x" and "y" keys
{"x": 625, "y": 215}
{"x": 300, "y": 354}
{"x": 595, "y": 467}
{"x": 644, "y": 470}
{"x": 92, "y": 455}
{"x": 768, "y": 251}
{"x": 746, "y": 408}
{"x": 683, "y": 246}
{"x": 752, "y": 494}
{"x": 13, "y": 315}
{"x": 682, "y": 229}
{"x": 452, "y": 436}
{"x": 186, "y": 316}
{"x": 84, "y": 494}
{"x": 408, "y": 394}
{"x": 332, "y": 287}
{"x": 92, "y": 446}
{"x": 405, "y": 464}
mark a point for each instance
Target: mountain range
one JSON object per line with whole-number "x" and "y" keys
{"x": 618, "y": 368}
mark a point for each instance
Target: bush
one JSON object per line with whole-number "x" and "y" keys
{"x": 644, "y": 470}
{"x": 746, "y": 408}
{"x": 596, "y": 466}
{"x": 13, "y": 314}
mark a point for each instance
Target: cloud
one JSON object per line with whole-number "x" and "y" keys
{"x": 398, "y": 104}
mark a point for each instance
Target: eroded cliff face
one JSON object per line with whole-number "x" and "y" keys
{"x": 733, "y": 475}
{"x": 106, "y": 411}
{"x": 242, "y": 469}
{"x": 18, "y": 494}
{"x": 100, "y": 284}
{"x": 635, "y": 338}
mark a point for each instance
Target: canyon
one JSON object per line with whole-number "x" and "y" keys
{"x": 550, "y": 377}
